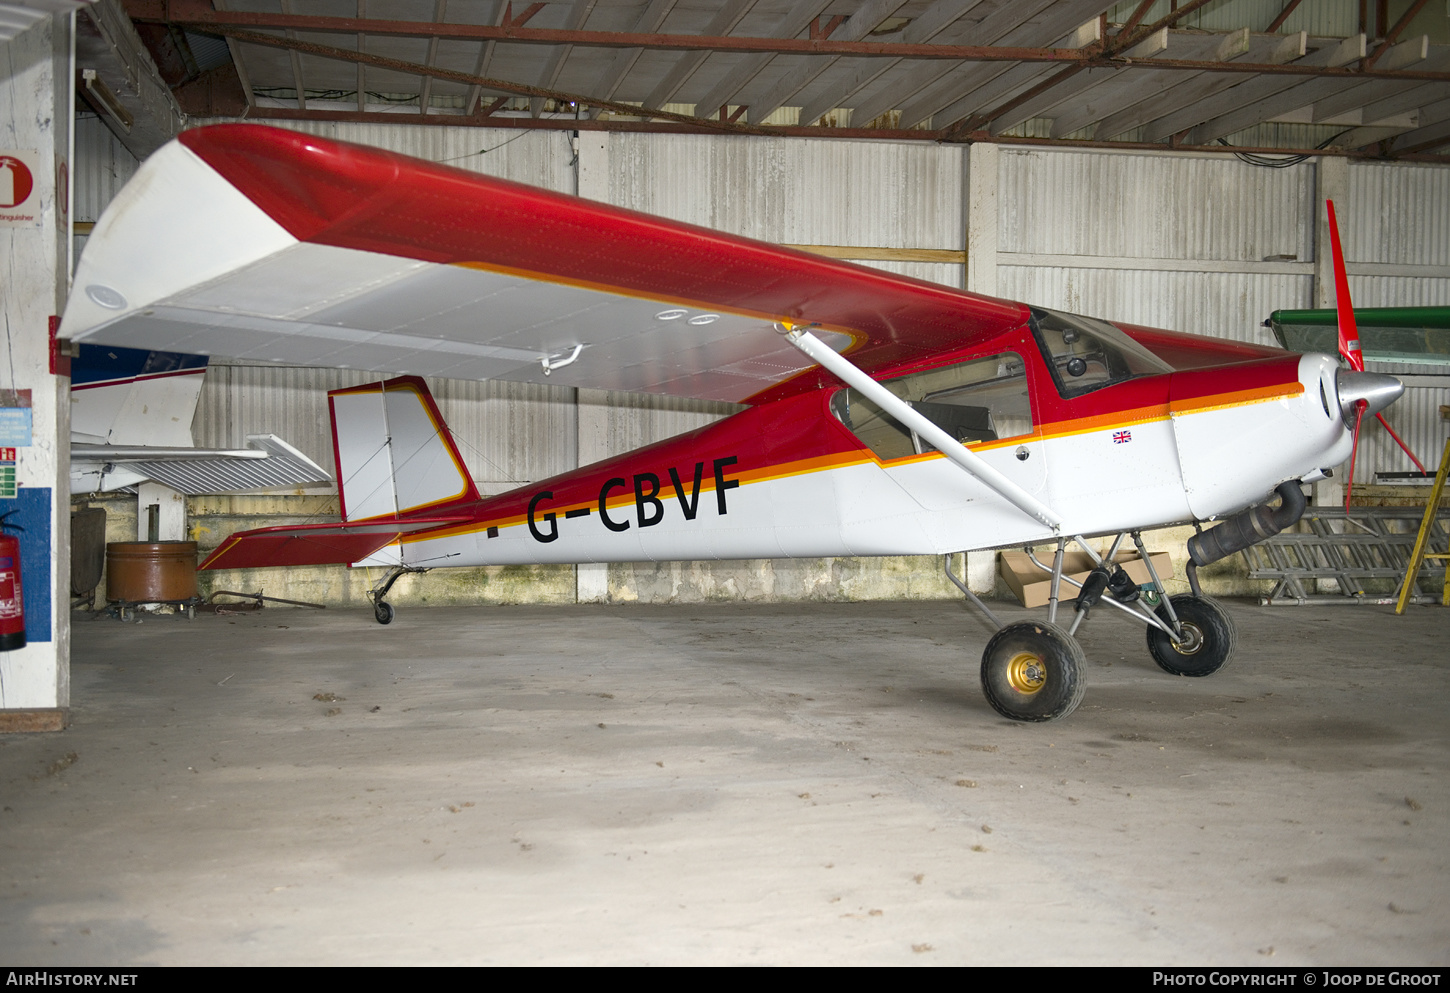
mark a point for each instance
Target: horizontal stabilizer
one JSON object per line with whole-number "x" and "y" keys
{"x": 270, "y": 463}
{"x": 313, "y": 544}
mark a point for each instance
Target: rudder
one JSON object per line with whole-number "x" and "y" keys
{"x": 395, "y": 456}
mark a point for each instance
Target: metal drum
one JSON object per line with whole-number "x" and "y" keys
{"x": 150, "y": 571}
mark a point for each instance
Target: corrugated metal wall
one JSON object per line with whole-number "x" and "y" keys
{"x": 867, "y": 193}
{"x": 539, "y": 158}
{"x": 1124, "y": 220}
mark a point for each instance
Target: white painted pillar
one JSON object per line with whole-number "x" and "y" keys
{"x": 172, "y": 512}
{"x": 983, "y": 164}
{"x": 35, "y": 119}
{"x": 592, "y": 410}
{"x": 590, "y": 406}
{"x": 591, "y": 170}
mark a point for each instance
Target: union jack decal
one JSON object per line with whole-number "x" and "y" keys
{"x": 1122, "y": 437}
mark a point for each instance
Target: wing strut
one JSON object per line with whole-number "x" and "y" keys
{"x": 846, "y": 371}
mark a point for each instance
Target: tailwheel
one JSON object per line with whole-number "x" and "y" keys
{"x": 1209, "y": 637}
{"x": 383, "y": 611}
{"x": 1033, "y": 672}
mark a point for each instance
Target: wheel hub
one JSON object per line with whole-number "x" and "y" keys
{"x": 1026, "y": 673}
{"x": 1192, "y": 639}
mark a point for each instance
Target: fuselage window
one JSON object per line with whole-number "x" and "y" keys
{"x": 1085, "y": 354}
{"x": 978, "y": 401}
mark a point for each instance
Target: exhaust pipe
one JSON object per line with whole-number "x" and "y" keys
{"x": 1248, "y": 527}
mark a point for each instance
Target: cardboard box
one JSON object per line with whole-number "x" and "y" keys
{"x": 1032, "y": 585}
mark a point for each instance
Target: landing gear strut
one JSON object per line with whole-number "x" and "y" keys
{"x": 1034, "y": 671}
{"x": 382, "y": 610}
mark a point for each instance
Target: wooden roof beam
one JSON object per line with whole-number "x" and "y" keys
{"x": 958, "y": 87}
{"x": 871, "y": 16}
{"x": 937, "y": 18}
{"x": 795, "y": 21}
{"x": 1267, "y": 99}
{"x": 1190, "y": 90}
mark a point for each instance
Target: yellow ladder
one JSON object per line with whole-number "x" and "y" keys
{"x": 1419, "y": 555}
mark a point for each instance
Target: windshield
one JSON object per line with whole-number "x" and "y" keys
{"x": 1086, "y": 354}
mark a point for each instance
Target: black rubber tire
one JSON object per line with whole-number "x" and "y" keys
{"x": 1213, "y": 642}
{"x": 1028, "y": 653}
{"x": 383, "y": 611}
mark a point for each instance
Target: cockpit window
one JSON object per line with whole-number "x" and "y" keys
{"x": 1085, "y": 354}
{"x": 982, "y": 400}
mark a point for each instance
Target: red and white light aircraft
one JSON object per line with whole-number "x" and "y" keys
{"x": 884, "y": 415}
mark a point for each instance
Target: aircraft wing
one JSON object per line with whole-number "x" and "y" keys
{"x": 273, "y": 246}
{"x": 314, "y": 544}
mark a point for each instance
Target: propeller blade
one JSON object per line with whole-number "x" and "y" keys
{"x": 1348, "y": 329}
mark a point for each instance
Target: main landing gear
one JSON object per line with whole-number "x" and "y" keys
{"x": 1033, "y": 671}
{"x": 382, "y": 610}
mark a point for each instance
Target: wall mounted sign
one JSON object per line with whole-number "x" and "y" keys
{"x": 20, "y": 194}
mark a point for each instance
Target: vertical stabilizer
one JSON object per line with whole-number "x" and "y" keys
{"x": 395, "y": 456}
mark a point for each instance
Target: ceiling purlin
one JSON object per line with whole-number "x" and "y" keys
{"x": 236, "y": 49}
{"x": 860, "y": 24}
{"x": 1246, "y": 91}
{"x": 578, "y": 14}
{"x": 975, "y": 86}
{"x": 795, "y": 20}
{"x": 231, "y": 24}
{"x": 297, "y": 81}
{"x": 1127, "y": 39}
{"x": 1394, "y": 32}
{"x": 1092, "y": 85}
{"x": 931, "y": 22}
{"x": 1121, "y": 93}
{"x": 501, "y": 85}
{"x": 425, "y": 91}
{"x": 362, "y": 89}
{"x": 898, "y": 90}
{"x": 1173, "y": 99}
{"x": 1430, "y": 135}
{"x": 1263, "y": 99}
{"x": 502, "y": 11}
{"x": 1278, "y": 22}
{"x": 720, "y": 25}
{"x": 648, "y": 22}
{"x": 996, "y": 83}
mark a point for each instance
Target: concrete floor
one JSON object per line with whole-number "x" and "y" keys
{"x": 727, "y": 784}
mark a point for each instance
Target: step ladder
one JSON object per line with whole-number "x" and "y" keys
{"x": 1425, "y": 540}
{"x": 1366, "y": 551}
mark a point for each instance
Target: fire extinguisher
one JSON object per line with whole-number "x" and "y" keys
{"x": 12, "y": 604}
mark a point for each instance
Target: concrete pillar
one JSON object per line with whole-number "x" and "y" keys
{"x": 591, "y": 170}
{"x": 35, "y": 121}
{"x": 983, "y": 163}
{"x": 171, "y": 511}
{"x": 591, "y": 167}
{"x": 1331, "y": 182}
{"x": 592, "y": 578}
